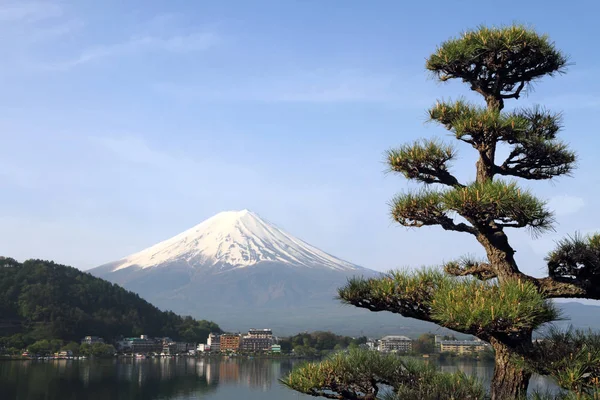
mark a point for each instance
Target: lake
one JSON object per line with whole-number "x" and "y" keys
{"x": 166, "y": 378}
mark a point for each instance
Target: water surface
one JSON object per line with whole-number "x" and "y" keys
{"x": 167, "y": 378}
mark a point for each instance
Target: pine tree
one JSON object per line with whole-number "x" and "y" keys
{"x": 489, "y": 298}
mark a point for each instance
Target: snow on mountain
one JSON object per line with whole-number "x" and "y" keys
{"x": 234, "y": 239}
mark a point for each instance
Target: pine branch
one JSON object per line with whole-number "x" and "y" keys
{"x": 481, "y": 127}
{"x": 491, "y": 309}
{"x": 467, "y": 306}
{"x": 537, "y": 154}
{"x": 497, "y": 62}
{"x": 401, "y": 292}
{"x": 538, "y": 160}
{"x": 338, "y": 377}
{"x": 574, "y": 268}
{"x": 496, "y": 203}
{"x": 469, "y": 267}
{"x": 425, "y": 208}
{"x": 426, "y": 161}
{"x": 515, "y": 94}
{"x": 571, "y": 357}
{"x": 357, "y": 375}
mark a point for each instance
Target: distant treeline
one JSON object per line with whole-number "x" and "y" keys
{"x": 315, "y": 343}
{"x": 42, "y": 300}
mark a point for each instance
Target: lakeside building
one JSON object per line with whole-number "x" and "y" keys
{"x": 173, "y": 348}
{"x": 462, "y": 346}
{"x": 145, "y": 344}
{"x": 141, "y": 345}
{"x": 202, "y": 347}
{"x": 257, "y": 340}
{"x": 92, "y": 340}
{"x": 395, "y": 344}
{"x": 230, "y": 342}
{"x": 214, "y": 343}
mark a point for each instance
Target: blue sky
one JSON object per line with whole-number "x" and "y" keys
{"x": 124, "y": 123}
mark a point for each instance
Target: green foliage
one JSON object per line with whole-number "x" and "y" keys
{"x": 469, "y": 266}
{"x": 572, "y": 358}
{"x": 71, "y": 346}
{"x": 425, "y": 344}
{"x": 424, "y": 160}
{"x": 496, "y": 60}
{"x": 577, "y": 258}
{"x": 477, "y": 125}
{"x": 314, "y": 343}
{"x": 96, "y": 349}
{"x": 484, "y": 307}
{"x": 52, "y": 301}
{"x": 431, "y": 384}
{"x": 418, "y": 209}
{"x": 466, "y": 305}
{"x": 411, "y": 380}
{"x": 536, "y": 154}
{"x": 563, "y": 395}
{"x": 408, "y": 293}
{"x": 45, "y": 347}
{"x": 497, "y": 202}
{"x": 17, "y": 341}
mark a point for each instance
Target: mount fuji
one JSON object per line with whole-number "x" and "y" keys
{"x": 242, "y": 271}
{"x": 231, "y": 240}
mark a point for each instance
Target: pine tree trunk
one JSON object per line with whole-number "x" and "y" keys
{"x": 510, "y": 381}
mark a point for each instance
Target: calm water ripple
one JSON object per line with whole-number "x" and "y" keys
{"x": 176, "y": 379}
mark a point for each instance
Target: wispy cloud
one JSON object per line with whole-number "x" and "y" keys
{"x": 29, "y": 11}
{"x": 174, "y": 44}
{"x": 28, "y": 22}
{"x": 55, "y": 31}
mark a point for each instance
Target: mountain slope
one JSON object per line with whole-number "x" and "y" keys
{"x": 44, "y": 300}
{"x": 233, "y": 239}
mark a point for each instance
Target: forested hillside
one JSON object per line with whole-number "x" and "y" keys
{"x": 44, "y": 300}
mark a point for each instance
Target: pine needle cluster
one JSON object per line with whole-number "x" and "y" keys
{"x": 362, "y": 374}
{"x": 498, "y": 202}
{"x": 486, "y": 308}
{"x": 466, "y": 305}
{"x": 478, "y": 56}
{"x": 572, "y": 358}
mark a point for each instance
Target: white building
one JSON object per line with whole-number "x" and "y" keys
{"x": 213, "y": 342}
{"x": 203, "y": 347}
{"x": 395, "y": 344}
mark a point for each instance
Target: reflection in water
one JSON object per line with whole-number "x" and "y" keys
{"x": 485, "y": 371}
{"x": 166, "y": 378}
{"x": 106, "y": 379}
{"x": 171, "y": 378}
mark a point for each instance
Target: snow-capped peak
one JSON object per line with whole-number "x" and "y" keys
{"x": 236, "y": 239}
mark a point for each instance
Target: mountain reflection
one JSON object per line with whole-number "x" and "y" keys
{"x": 165, "y": 378}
